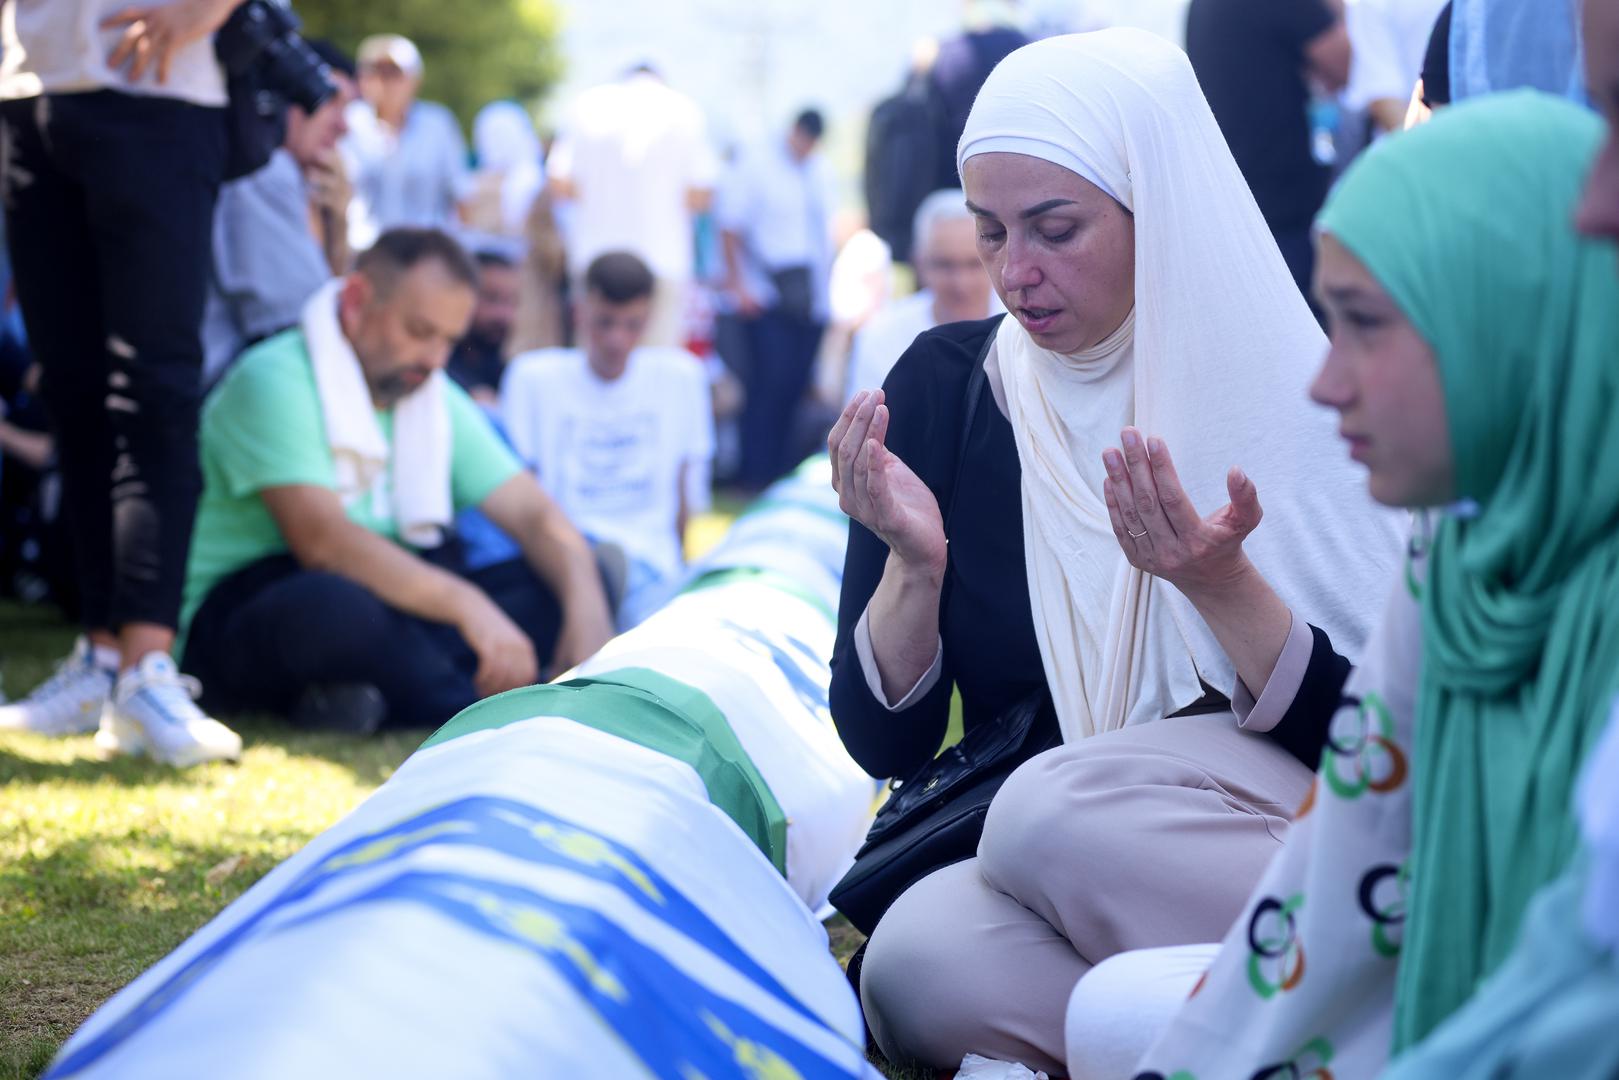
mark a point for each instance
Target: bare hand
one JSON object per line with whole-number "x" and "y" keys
{"x": 583, "y": 634}
{"x": 329, "y": 187}
{"x": 154, "y": 33}
{"x": 879, "y": 490}
{"x": 505, "y": 654}
{"x": 747, "y": 305}
{"x": 1160, "y": 531}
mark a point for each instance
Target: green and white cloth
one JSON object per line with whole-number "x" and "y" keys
{"x": 612, "y": 876}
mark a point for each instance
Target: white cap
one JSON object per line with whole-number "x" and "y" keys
{"x": 393, "y": 49}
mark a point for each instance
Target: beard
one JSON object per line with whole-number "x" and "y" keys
{"x": 388, "y": 390}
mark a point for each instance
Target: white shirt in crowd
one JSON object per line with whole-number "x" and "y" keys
{"x": 1390, "y": 38}
{"x": 633, "y": 149}
{"x": 611, "y": 453}
{"x": 410, "y": 177}
{"x": 782, "y": 209}
{"x": 59, "y": 47}
{"x": 879, "y": 344}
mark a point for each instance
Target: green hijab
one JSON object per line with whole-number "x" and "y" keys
{"x": 1467, "y": 223}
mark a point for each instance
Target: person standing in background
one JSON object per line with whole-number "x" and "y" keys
{"x": 775, "y": 220}
{"x": 633, "y": 159}
{"x": 114, "y": 140}
{"x": 539, "y": 322}
{"x": 509, "y": 175}
{"x": 959, "y": 70}
{"x": 407, "y": 158}
{"x": 1256, "y": 60}
{"x": 1389, "y": 38}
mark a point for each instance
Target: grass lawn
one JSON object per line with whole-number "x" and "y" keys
{"x": 106, "y": 866}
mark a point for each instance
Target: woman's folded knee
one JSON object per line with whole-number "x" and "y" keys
{"x": 956, "y": 967}
{"x": 1053, "y": 814}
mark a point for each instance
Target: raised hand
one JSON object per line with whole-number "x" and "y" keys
{"x": 879, "y": 490}
{"x": 1161, "y": 532}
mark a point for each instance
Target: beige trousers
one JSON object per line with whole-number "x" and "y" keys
{"x": 1149, "y": 836}
{"x": 667, "y": 324}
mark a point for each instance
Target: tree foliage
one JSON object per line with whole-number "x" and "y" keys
{"x": 473, "y": 51}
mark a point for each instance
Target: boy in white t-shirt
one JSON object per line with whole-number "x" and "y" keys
{"x": 621, "y": 435}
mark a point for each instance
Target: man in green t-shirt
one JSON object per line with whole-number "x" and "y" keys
{"x": 333, "y": 455}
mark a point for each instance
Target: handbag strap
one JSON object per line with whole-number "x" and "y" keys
{"x": 977, "y": 379}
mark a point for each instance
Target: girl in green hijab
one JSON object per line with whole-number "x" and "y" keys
{"x": 1475, "y": 366}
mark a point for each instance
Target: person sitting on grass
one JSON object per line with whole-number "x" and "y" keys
{"x": 334, "y": 457}
{"x": 621, "y": 433}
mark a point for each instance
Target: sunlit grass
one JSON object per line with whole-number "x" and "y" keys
{"x": 106, "y": 866}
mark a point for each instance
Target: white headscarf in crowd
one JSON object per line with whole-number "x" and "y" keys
{"x": 506, "y": 143}
{"x": 1216, "y": 358}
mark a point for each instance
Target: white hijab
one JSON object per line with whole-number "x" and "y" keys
{"x": 504, "y": 138}
{"x": 1216, "y": 358}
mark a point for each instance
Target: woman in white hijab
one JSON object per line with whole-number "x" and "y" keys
{"x": 1146, "y": 295}
{"x": 509, "y": 175}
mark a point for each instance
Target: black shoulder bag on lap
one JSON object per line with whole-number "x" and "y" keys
{"x": 935, "y": 816}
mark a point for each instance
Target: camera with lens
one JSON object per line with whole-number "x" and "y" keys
{"x": 267, "y": 66}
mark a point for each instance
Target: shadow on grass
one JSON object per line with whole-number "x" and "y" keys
{"x": 79, "y": 877}
{"x": 82, "y": 919}
{"x": 369, "y": 760}
{"x": 18, "y": 768}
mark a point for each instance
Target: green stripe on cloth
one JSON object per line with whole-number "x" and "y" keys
{"x": 659, "y": 713}
{"x": 754, "y": 575}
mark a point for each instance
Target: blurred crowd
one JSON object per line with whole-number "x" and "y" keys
{"x": 357, "y": 426}
{"x": 652, "y": 315}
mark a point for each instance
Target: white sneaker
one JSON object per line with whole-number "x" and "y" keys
{"x": 152, "y": 711}
{"x": 70, "y": 701}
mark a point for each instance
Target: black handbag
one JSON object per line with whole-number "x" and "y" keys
{"x": 935, "y": 816}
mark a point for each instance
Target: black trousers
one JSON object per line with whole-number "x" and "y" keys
{"x": 109, "y": 202}
{"x": 781, "y": 362}
{"x": 273, "y": 629}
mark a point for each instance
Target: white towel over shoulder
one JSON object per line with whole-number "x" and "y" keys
{"x": 418, "y": 462}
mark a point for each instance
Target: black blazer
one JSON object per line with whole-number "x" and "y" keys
{"x": 986, "y": 623}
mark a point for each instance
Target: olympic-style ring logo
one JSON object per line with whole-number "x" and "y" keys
{"x": 1361, "y": 754}
{"x": 1310, "y": 1063}
{"x": 1309, "y": 800}
{"x": 1276, "y": 956}
{"x": 1382, "y": 898}
{"x": 1416, "y": 549}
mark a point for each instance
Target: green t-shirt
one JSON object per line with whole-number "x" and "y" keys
{"x": 262, "y": 427}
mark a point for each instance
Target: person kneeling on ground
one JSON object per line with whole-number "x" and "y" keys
{"x": 995, "y": 551}
{"x": 621, "y": 433}
{"x": 334, "y": 455}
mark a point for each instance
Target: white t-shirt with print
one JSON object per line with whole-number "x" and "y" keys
{"x": 611, "y": 453}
